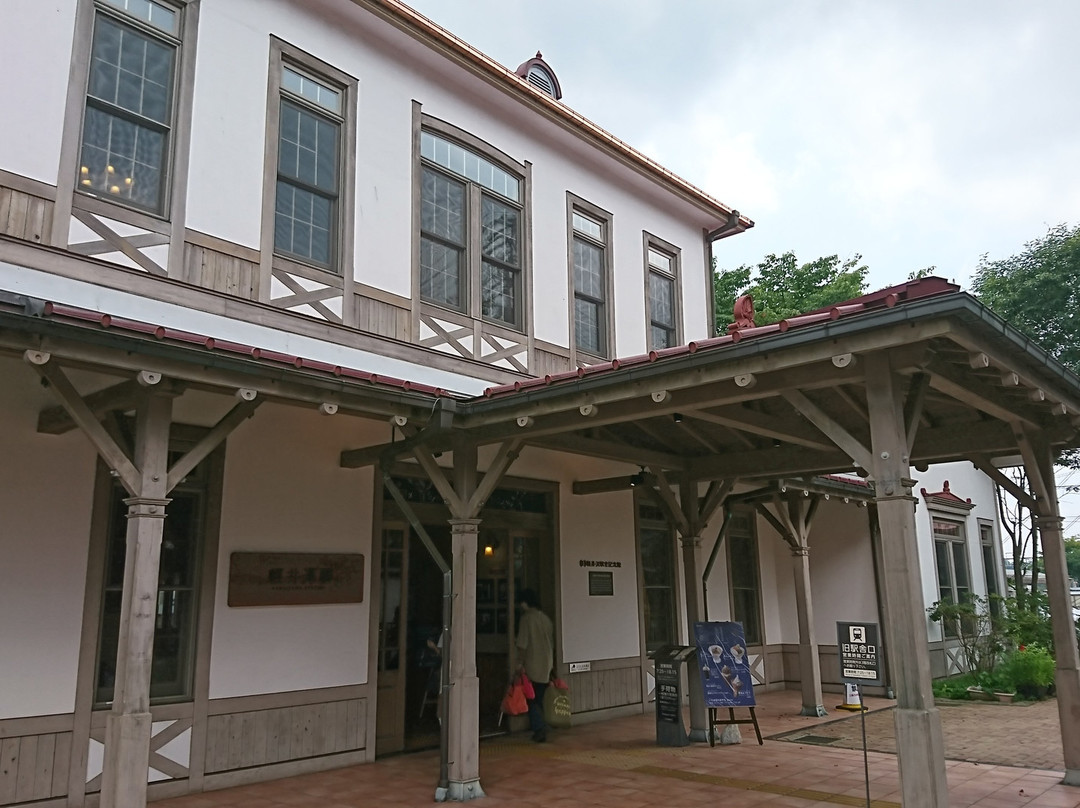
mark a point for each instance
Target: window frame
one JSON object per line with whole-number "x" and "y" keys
{"x": 575, "y": 204}
{"x": 950, "y": 543}
{"x": 643, "y": 522}
{"x": 991, "y": 565}
{"x": 674, "y": 254}
{"x": 340, "y": 266}
{"x": 170, "y": 219}
{"x": 471, "y": 281}
{"x": 750, "y": 535}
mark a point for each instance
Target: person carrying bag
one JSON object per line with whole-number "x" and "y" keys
{"x": 536, "y": 656}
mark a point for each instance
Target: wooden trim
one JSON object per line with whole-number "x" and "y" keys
{"x": 288, "y": 698}
{"x": 389, "y": 298}
{"x": 528, "y": 278}
{"x": 648, "y": 240}
{"x": 220, "y": 245}
{"x": 181, "y": 135}
{"x": 710, "y": 297}
{"x": 70, "y": 143}
{"x": 472, "y": 143}
{"x": 342, "y": 269}
{"x": 551, "y": 348}
{"x": 414, "y": 189}
{"x": 290, "y": 768}
{"x": 169, "y": 290}
{"x": 607, "y": 220}
{"x": 375, "y": 607}
{"x": 36, "y": 725}
{"x": 26, "y": 185}
{"x": 107, "y": 210}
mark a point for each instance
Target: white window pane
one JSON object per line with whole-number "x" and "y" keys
{"x": 588, "y": 226}
{"x": 659, "y": 260}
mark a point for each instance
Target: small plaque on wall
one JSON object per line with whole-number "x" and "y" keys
{"x": 295, "y": 579}
{"x": 601, "y": 583}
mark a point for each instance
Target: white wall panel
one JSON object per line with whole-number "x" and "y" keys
{"x": 46, "y": 488}
{"x": 285, "y": 492}
{"x": 35, "y": 43}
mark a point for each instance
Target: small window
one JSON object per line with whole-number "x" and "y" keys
{"x": 745, "y": 578}
{"x": 953, "y": 571}
{"x": 662, "y": 293}
{"x": 656, "y": 543}
{"x": 590, "y": 260}
{"x": 308, "y": 169}
{"x": 471, "y": 224}
{"x": 126, "y": 147}
{"x": 990, "y": 568}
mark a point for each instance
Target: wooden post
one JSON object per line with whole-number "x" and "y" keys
{"x": 128, "y": 724}
{"x": 809, "y": 663}
{"x": 1038, "y": 459}
{"x": 463, "y": 743}
{"x": 699, "y": 714}
{"x": 919, "y": 741}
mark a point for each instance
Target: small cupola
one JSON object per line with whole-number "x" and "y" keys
{"x": 540, "y": 75}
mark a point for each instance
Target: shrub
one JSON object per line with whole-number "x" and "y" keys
{"x": 1030, "y": 669}
{"x": 978, "y": 633}
{"x": 954, "y": 688}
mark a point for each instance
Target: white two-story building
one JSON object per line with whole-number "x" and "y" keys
{"x": 321, "y": 331}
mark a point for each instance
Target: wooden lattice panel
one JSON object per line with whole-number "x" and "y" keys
{"x": 119, "y": 243}
{"x": 305, "y": 295}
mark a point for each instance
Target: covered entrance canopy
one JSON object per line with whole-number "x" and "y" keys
{"x": 908, "y": 376}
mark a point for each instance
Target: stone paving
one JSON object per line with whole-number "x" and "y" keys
{"x": 617, "y": 764}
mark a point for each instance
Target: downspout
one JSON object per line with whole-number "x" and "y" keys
{"x": 730, "y": 228}
{"x": 712, "y": 561}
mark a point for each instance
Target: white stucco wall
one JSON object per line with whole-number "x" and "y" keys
{"x": 393, "y": 70}
{"x": 46, "y": 490}
{"x": 842, "y": 579}
{"x": 35, "y": 39}
{"x": 284, "y": 491}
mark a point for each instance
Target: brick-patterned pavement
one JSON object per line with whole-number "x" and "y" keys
{"x": 617, "y": 764}
{"x": 1000, "y": 734}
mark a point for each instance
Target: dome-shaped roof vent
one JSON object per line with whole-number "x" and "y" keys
{"x": 540, "y": 75}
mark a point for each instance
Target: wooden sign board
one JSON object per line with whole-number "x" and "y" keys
{"x": 295, "y": 579}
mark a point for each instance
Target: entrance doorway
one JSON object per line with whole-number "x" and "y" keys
{"x": 515, "y": 550}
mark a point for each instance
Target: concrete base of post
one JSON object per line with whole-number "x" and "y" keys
{"x": 127, "y": 758}
{"x": 460, "y": 792}
{"x": 817, "y": 711}
{"x": 1072, "y": 777}
{"x": 699, "y": 735}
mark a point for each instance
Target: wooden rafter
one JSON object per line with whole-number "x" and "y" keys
{"x": 851, "y": 445}
{"x": 746, "y": 420}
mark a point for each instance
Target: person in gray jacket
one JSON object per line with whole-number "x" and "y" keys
{"x": 536, "y": 656}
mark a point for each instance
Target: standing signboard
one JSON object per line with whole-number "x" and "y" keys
{"x": 860, "y": 653}
{"x": 723, "y": 664}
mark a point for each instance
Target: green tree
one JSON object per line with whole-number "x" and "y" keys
{"x": 782, "y": 287}
{"x": 1072, "y": 558}
{"x": 1038, "y": 291}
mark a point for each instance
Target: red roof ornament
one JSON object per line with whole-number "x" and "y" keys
{"x": 743, "y": 313}
{"x": 946, "y": 497}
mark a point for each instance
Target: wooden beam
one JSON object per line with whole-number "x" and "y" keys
{"x": 506, "y": 455}
{"x": 778, "y": 526}
{"x": 974, "y": 393}
{"x": 123, "y": 396}
{"x": 437, "y": 476}
{"x": 81, "y": 414}
{"x": 695, "y": 433}
{"x": 983, "y": 464}
{"x": 913, "y": 406}
{"x": 670, "y": 505}
{"x": 747, "y": 420}
{"x": 829, "y": 427}
{"x": 210, "y": 441}
{"x": 610, "y": 450}
{"x": 772, "y": 462}
{"x": 605, "y": 485}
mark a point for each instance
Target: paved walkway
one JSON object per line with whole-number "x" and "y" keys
{"x": 616, "y": 764}
{"x": 1002, "y": 734}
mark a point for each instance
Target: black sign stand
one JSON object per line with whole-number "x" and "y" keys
{"x": 860, "y": 663}
{"x": 714, "y": 722}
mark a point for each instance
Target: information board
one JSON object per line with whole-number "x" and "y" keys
{"x": 723, "y": 664}
{"x": 860, "y": 653}
{"x": 668, "y": 706}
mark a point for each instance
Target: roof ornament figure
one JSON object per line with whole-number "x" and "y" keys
{"x": 744, "y": 314}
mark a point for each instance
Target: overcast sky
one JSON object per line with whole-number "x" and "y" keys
{"x": 915, "y": 132}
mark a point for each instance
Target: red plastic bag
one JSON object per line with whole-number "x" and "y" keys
{"x": 526, "y": 685}
{"x": 514, "y": 702}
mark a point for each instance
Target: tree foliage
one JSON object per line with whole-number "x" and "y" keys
{"x": 1038, "y": 291}
{"x": 782, "y": 287}
{"x": 1072, "y": 558}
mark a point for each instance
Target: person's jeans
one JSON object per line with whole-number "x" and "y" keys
{"x": 536, "y": 707}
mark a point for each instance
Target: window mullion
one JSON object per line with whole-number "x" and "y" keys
{"x": 474, "y": 252}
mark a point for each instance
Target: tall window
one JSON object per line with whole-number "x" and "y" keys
{"x": 745, "y": 580}
{"x": 990, "y": 568}
{"x": 590, "y": 260}
{"x": 176, "y": 605}
{"x": 308, "y": 168}
{"x": 128, "y": 118}
{"x": 471, "y": 214}
{"x": 661, "y": 293}
{"x": 657, "y": 547}
{"x": 953, "y": 572}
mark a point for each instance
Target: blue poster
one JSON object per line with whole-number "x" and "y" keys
{"x": 723, "y": 664}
